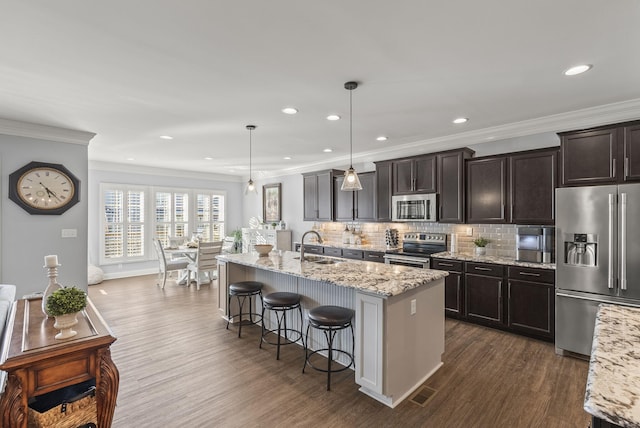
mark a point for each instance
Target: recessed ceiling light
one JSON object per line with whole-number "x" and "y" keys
{"x": 289, "y": 110}
{"x": 166, "y": 137}
{"x": 460, "y": 120}
{"x": 381, "y": 138}
{"x": 327, "y": 150}
{"x": 208, "y": 158}
{"x": 333, "y": 117}
{"x": 578, "y": 69}
{"x": 287, "y": 158}
{"x": 130, "y": 159}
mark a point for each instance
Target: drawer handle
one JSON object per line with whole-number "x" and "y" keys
{"x": 529, "y": 274}
{"x": 482, "y": 268}
{"x": 445, "y": 264}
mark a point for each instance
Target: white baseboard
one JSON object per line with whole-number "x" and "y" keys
{"x": 128, "y": 274}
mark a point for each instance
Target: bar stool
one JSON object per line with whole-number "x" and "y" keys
{"x": 243, "y": 290}
{"x": 281, "y": 303}
{"x": 330, "y": 320}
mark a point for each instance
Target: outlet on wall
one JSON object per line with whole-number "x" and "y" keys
{"x": 469, "y": 231}
{"x": 413, "y": 306}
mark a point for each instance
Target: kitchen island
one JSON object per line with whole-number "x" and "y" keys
{"x": 613, "y": 384}
{"x": 399, "y": 320}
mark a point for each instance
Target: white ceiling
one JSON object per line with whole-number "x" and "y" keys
{"x": 200, "y": 70}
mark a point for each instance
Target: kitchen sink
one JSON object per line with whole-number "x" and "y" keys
{"x": 319, "y": 260}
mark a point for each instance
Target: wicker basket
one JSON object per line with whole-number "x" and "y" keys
{"x": 65, "y": 415}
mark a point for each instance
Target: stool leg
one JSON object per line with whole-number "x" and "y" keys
{"x": 241, "y": 304}
{"x": 305, "y": 342}
{"x": 228, "y": 310}
{"x": 302, "y": 337}
{"x": 353, "y": 345}
{"x": 279, "y": 318}
{"x": 329, "y": 335}
{"x": 263, "y": 329}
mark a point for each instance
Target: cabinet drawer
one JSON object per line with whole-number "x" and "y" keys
{"x": 374, "y": 256}
{"x": 484, "y": 269}
{"x": 60, "y": 372}
{"x": 532, "y": 274}
{"x": 331, "y": 251}
{"x": 449, "y": 265}
{"x": 352, "y": 254}
{"x": 313, "y": 249}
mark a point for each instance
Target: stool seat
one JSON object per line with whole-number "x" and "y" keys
{"x": 281, "y": 298}
{"x": 330, "y": 316}
{"x": 245, "y": 287}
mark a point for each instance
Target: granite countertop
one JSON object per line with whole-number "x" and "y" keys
{"x": 363, "y": 247}
{"x": 370, "y": 277}
{"x": 491, "y": 259}
{"x": 613, "y": 384}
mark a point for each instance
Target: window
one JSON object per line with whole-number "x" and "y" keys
{"x": 134, "y": 215}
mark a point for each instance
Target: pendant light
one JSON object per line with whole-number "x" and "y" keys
{"x": 251, "y": 188}
{"x": 351, "y": 181}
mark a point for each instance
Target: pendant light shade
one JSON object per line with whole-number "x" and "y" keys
{"x": 351, "y": 181}
{"x": 251, "y": 187}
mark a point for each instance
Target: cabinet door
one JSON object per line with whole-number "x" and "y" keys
{"x": 424, "y": 174}
{"x": 403, "y": 177}
{"x": 483, "y": 298}
{"x": 531, "y": 307}
{"x": 453, "y": 294}
{"x": 533, "y": 184}
{"x": 487, "y": 190}
{"x": 383, "y": 191}
{"x": 365, "y": 199}
{"x": 589, "y": 157}
{"x": 451, "y": 187}
{"x": 343, "y": 201}
{"x": 631, "y": 153}
{"x": 325, "y": 196}
{"x": 310, "y": 197}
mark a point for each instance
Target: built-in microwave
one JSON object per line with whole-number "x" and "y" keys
{"x": 420, "y": 207}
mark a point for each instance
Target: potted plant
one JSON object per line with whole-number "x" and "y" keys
{"x": 64, "y": 304}
{"x": 480, "y": 244}
{"x": 237, "y": 240}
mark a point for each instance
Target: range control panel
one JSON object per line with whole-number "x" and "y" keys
{"x": 425, "y": 237}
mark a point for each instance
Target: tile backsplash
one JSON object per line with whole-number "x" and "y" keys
{"x": 502, "y": 237}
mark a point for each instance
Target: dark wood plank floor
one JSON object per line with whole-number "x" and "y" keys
{"x": 180, "y": 367}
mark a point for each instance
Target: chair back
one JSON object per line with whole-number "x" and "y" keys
{"x": 207, "y": 252}
{"x": 157, "y": 244}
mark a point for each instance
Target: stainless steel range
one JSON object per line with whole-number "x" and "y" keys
{"x": 416, "y": 249}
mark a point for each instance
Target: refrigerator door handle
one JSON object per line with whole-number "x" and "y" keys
{"x": 612, "y": 211}
{"x": 623, "y": 241}
{"x": 597, "y": 299}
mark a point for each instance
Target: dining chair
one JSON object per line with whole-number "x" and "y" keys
{"x": 205, "y": 260}
{"x": 167, "y": 266}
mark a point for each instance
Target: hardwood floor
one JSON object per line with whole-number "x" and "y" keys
{"x": 180, "y": 367}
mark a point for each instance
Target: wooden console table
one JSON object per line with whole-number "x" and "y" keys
{"x": 37, "y": 363}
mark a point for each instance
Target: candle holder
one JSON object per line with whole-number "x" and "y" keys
{"x": 53, "y": 286}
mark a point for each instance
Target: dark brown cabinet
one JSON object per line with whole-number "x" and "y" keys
{"x": 487, "y": 196}
{"x": 318, "y": 195}
{"x": 532, "y": 187}
{"x": 531, "y": 305}
{"x": 605, "y": 155}
{"x": 483, "y": 287}
{"x": 513, "y": 188}
{"x": 384, "y": 189}
{"x": 349, "y": 253}
{"x": 374, "y": 256}
{"x": 453, "y": 286}
{"x": 451, "y": 186}
{"x": 414, "y": 175}
{"x": 355, "y": 205}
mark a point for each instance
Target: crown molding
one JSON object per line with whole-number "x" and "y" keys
{"x": 44, "y": 132}
{"x": 167, "y": 172}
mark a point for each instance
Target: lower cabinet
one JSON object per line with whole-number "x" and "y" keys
{"x": 518, "y": 299}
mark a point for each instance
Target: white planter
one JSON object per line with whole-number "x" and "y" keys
{"x": 481, "y": 251}
{"x": 64, "y": 323}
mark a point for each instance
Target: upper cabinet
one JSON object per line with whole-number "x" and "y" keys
{"x": 606, "y": 155}
{"x": 318, "y": 195}
{"x": 451, "y": 189}
{"x": 356, "y": 205}
{"x": 514, "y": 188}
{"x": 384, "y": 189}
{"x": 414, "y": 175}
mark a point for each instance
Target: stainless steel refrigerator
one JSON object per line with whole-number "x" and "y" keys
{"x": 597, "y": 258}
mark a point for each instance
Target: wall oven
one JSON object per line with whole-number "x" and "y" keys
{"x": 414, "y": 207}
{"x": 417, "y": 248}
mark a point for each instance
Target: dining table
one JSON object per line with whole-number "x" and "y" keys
{"x": 191, "y": 253}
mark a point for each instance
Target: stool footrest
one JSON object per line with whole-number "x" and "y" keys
{"x": 351, "y": 360}
{"x": 288, "y": 341}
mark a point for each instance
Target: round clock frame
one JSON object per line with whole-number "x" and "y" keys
{"x": 42, "y": 198}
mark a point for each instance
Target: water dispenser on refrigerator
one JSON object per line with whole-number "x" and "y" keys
{"x": 580, "y": 249}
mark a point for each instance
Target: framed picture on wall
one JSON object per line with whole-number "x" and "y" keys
{"x": 271, "y": 203}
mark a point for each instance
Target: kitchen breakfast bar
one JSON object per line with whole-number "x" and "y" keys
{"x": 399, "y": 312}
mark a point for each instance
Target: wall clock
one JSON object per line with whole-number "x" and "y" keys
{"x": 44, "y": 188}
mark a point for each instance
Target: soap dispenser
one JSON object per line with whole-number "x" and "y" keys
{"x": 346, "y": 235}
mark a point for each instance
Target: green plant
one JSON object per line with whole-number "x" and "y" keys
{"x": 480, "y": 241}
{"x": 237, "y": 235}
{"x": 66, "y": 300}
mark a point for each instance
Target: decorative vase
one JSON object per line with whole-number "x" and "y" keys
{"x": 64, "y": 323}
{"x": 481, "y": 251}
{"x": 53, "y": 286}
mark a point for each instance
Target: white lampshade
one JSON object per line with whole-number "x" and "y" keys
{"x": 351, "y": 180}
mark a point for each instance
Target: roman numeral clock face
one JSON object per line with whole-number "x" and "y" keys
{"x": 43, "y": 188}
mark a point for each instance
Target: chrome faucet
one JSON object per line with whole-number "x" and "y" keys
{"x": 302, "y": 242}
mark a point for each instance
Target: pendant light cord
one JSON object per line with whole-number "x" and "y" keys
{"x": 250, "y": 178}
{"x": 351, "y": 128}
